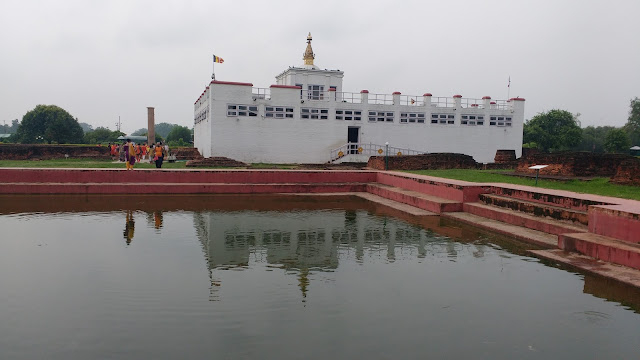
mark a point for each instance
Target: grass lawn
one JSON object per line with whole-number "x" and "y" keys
{"x": 597, "y": 186}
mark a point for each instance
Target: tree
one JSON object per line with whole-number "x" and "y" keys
{"x": 593, "y": 139}
{"x": 51, "y": 124}
{"x": 140, "y": 132}
{"x": 633, "y": 122}
{"x": 162, "y": 129}
{"x": 179, "y": 133}
{"x": 617, "y": 141}
{"x": 9, "y": 129}
{"x": 101, "y": 135}
{"x": 86, "y": 127}
{"x": 555, "y": 130}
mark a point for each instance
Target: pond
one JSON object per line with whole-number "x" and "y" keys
{"x": 281, "y": 277}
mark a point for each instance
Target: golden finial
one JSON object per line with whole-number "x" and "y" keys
{"x": 308, "y": 53}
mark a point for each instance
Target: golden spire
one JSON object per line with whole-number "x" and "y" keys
{"x": 308, "y": 53}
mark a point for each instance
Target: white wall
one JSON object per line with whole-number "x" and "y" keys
{"x": 261, "y": 139}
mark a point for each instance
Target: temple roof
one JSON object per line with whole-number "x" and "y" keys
{"x": 308, "y": 54}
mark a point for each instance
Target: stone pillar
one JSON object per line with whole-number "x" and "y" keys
{"x": 151, "y": 126}
{"x": 486, "y": 100}
{"x": 427, "y": 99}
{"x": 364, "y": 96}
{"x": 457, "y": 101}
{"x": 396, "y": 97}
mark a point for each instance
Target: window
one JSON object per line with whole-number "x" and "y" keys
{"x": 472, "y": 120}
{"x": 381, "y": 116}
{"x": 242, "y": 110}
{"x": 443, "y": 119}
{"x": 500, "y": 121}
{"x": 316, "y": 92}
{"x": 201, "y": 116}
{"x": 278, "y": 112}
{"x": 312, "y": 113}
{"x": 349, "y": 115}
{"x": 412, "y": 118}
{"x": 300, "y": 85}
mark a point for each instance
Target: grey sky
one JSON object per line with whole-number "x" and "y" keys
{"x": 101, "y": 59}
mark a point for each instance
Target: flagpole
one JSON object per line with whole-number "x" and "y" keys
{"x": 213, "y": 74}
{"x": 509, "y": 89}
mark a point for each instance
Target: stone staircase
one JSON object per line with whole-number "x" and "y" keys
{"x": 559, "y": 220}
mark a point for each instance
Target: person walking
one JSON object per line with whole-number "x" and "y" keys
{"x": 159, "y": 155}
{"x": 138, "y": 152}
{"x": 130, "y": 154}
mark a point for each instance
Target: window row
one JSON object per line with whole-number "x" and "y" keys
{"x": 472, "y": 120}
{"x": 500, "y": 121}
{"x": 202, "y": 116}
{"x": 443, "y": 119}
{"x": 313, "y": 113}
{"x": 242, "y": 110}
{"x": 278, "y": 112}
{"x": 412, "y": 118}
{"x": 349, "y": 115}
{"x": 356, "y": 115}
{"x": 381, "y": 116}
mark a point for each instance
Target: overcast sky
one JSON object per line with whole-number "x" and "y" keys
{"x": 104, "y": 59}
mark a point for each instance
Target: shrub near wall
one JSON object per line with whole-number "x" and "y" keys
{"x": 433, "y": 161}
{"x": 47, "y": 152}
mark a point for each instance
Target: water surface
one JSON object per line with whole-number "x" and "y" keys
{"x": 286, "y": 277}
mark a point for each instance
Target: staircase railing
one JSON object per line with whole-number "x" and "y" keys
{"x": 370, "y": 150}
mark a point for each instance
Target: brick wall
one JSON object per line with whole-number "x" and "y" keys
{"x": 185, "y": 153}
{"x": 46, "y": 152}
{"x": 426, "y": 161}
{"x": 573, "y": 163}
{"x": 628, "y": 172}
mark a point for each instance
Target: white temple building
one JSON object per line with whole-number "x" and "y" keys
{"x": 306, "y": 117}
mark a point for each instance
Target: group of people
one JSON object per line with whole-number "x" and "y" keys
{"x": 130, "y": 153}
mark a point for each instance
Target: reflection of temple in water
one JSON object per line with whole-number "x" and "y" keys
{"x": 304, "y": 242}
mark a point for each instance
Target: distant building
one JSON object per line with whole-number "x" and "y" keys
{"x": 307, "y": 118}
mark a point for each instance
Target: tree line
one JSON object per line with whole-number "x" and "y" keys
{"x": 559, "y": 130}
{"x": 50, "y": 124}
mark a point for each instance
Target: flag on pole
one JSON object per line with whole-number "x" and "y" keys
{"x": 509, "y": 82}
{"x": 217, "y": 59}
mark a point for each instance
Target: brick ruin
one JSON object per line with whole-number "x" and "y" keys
{"x": 628, "y": 172}
{"x": 49, "y": 152}
{"x": 433, "y": 161}
{"x": 580, "y": 164}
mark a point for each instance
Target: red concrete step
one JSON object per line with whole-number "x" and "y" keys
{"x": 562, "y": 199}
{"x": 268, "y": 176}
{"x": 548, "y": 241}
{"x": 536, "y": 208}
{"x": 602, "y": 248}
{"x": 420, "y": 200}
{"x": 605, "y": 269}
{"x": 514, "y": 217}
{"x": 617, "y": 221}
{"x": 176, "y": 188}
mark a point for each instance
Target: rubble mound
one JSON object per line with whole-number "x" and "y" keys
{"x": 186, "y": 153}
{"x": 217, "y": 161}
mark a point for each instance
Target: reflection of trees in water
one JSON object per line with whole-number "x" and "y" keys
{"x": 310, "y": 241}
